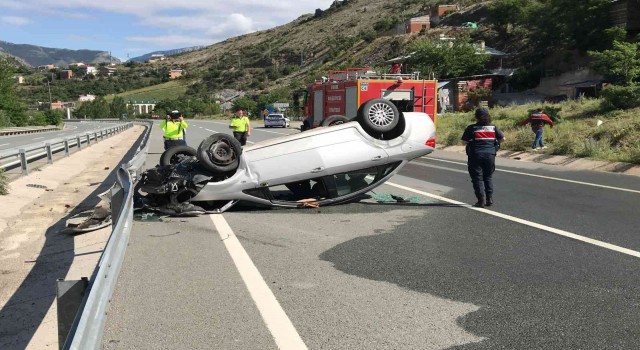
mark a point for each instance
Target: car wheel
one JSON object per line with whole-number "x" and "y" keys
{"x": 378, "y": 116}
{"x": 334, "y": 120}
{"x": 176, "y": 154}
{"x": 219, "y": 153}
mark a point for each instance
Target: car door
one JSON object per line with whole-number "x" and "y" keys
{"x": 351, "y": 150}
{"x": 292, "y": 160}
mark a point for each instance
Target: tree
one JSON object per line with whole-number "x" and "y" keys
{"x": 9, "y": 101}
{"x": 440, "y": 59}
{"x": 621, "y": 62}
{"x": 118, "y": 107}
{"x": 245, "y": 103}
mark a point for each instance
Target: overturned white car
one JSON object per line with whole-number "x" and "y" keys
{"x": 318, "y": 167}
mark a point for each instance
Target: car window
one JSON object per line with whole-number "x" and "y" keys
{"x": 331, "y": 186}
{"x": 298, "y": 190}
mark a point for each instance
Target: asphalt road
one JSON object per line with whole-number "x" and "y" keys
{"x": 71, "y": 129}
{"x": 553, "y": 265}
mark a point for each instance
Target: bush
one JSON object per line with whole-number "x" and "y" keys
{"x": 5, "y": 121}
{"x": 53, "y": 117}
{"x": 4, "y": 183}
{"x": 622, "y": 97}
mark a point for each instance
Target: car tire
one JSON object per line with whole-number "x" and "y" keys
{"x": 378, "y": 116}
{"x": 174, "y": 154}
{"x": 219, "y": 153}
{"x": 334, "y": 120}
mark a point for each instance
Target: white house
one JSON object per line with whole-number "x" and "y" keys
{"x": 86, "y": 97}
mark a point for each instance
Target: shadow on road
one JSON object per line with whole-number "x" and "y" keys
{"x": 535, "y": 291}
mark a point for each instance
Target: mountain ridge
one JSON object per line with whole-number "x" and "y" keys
{"x": 35, "y": 55}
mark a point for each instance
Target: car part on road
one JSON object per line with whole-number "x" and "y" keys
{"x": 89, "y": 220}
{"x": 334, "y": 120}
{"x": 219, "y": 153}
{"x": 175, "y": 154}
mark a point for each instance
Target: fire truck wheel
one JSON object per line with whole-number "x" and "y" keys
{"x": 219, "y": 153}
{"x": 335, "y": 120}
{"x": 378, "y": 116}
{"x": 175, "y": 154}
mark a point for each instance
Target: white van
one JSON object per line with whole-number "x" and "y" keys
{"x": 277, "y": 120}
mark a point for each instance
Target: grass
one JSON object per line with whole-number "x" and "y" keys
{"x": 4, "y": 183}
{"x": 574, "y": 134}
{"x": 170, "y": 90}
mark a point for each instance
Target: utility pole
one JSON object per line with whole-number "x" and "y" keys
{"x": 49, "y": 94}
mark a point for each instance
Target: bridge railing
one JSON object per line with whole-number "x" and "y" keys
{"x": 22, "y": 156}
{"x": 88, "y": 327}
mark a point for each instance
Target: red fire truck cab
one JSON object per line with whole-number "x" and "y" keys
{"x": 344, "y": 92}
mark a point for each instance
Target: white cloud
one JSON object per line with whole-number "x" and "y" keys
{"x": 15, "y": 20}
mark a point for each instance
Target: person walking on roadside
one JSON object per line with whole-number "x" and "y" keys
{"x": 482, "y": 141}
{"x": 241, "y": 127}
{"x": 174, "y": 127}
{"x": 538, "y": 121}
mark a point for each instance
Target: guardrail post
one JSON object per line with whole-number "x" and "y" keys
{"x": 78, "y": 143}
{"x": 23, "y": 162}
{"x": 66, "y": 147}
{"x": 47, "y": 147}
{"x": 88, "y": 139}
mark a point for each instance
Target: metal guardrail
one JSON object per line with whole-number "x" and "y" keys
{"x": 22, "y": 156}
{"x": 90, "y": 320}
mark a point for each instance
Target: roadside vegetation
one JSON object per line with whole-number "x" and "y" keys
{"x": 4, "y": 183}
{"x": 164, "y": 91}
{"x": 586, "y": 128}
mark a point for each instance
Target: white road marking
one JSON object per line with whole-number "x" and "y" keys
{"x": 525, "y": 222}
{"x": 271, "y": 132}
{"x": 209, "y": 130}
{"x": 546, "y": 177}
{"x": 277, "y": 321}
{"x": 4, "y": 144}
{"x": 38, "y": 138}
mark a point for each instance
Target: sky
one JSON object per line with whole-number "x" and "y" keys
{"x": 130, "y": 28}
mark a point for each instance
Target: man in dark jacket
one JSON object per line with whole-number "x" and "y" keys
{"x": 482, "y": 141}
{"x": 538, "y": 120}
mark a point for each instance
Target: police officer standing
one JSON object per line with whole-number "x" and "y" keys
{"x": 173, "y": 127}
{"x": 482, "y": 141}
{"x": 241, "y": 127}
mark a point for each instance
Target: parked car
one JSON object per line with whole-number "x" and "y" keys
{"x": 276, "y": 120}
{"x": 322, "y": 166}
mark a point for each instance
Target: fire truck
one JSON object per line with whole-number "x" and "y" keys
{"x": 360, "y": 93}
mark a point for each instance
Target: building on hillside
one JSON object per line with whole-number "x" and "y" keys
{"x": 86, "y": 98}
{"x": 46, "y": 67}
{"x": 156, "y": 57}
{"x": 439, "y": 11}
{"x": 66, "y": 74}
{"x": 176, "y": 73}
{"x": 626, "y": 14}
{"x": 142, "y": 107}
{"x": 19, "y": 79}
{"x": 88, "y": 69}
{"x": 108, "y": 71}
{"x": 417, "y": 24}
{"x": 76, "y": 64}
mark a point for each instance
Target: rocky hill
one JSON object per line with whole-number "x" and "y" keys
{"x": 38, "y": 55}
{"x": 147, "y": 56}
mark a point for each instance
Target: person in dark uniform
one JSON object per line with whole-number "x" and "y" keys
{"x": 482, "y": 141}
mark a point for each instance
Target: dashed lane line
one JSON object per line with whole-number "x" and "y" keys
{"x": 284, "y": 333}
{"x": 525, "y": 222}
{"x": 545, "y": 177}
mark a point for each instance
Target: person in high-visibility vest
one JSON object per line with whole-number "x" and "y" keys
{"x": 174, "y": 128}
{"x": 241, "y": 127}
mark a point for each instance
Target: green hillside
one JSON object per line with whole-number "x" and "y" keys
{"x": 166, "y": 91}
